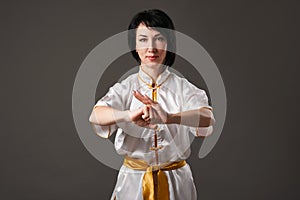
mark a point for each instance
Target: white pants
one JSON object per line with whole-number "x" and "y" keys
{"x": 129, "y": 184}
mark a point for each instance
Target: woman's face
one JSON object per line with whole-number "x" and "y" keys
{"x": 150, "y": 45}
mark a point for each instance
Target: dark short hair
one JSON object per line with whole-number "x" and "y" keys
{"x": 154, "y": 18}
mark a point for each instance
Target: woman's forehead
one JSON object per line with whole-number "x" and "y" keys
{"x": 143, "y": 30}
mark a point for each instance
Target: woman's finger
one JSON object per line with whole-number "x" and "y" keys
{"x": 142, "y": 98}
{"x": 135, "y": 114}
{"x": 145, "y": 124}
{"x": 141, "y": 123}
{"x": 149, "y": 99}
{"x": 151, "y": 115}
{"x": 145, "y": 115}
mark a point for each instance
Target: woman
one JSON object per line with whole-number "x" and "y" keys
{"x": 154, "y": 110}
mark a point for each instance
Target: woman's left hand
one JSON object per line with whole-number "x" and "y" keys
{"x": 156, "y": 114}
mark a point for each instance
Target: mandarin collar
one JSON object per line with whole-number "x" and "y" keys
{"x": 161, "y": 78}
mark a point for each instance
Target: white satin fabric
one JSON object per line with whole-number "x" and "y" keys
{"x": 175, "y": 95}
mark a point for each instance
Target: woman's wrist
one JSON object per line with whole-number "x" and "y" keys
{"x": 125, "y": 116}
{"x": 173, "y": 118}
{"x": 121, "y": 116}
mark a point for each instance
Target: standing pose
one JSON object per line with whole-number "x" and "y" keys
{"x": 154, "y": 110}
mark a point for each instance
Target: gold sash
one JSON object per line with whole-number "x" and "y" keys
{"x": 155, "y": 181}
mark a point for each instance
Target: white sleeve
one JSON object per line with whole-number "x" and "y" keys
{"x": 196, "y": 98}
{"x": 114, "y": 99}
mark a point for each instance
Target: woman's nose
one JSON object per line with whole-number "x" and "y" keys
{"x": 151, "y": 45}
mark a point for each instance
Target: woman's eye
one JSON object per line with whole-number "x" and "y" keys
{"x": 143, "y": 40}
{"x": 161, "y": 39}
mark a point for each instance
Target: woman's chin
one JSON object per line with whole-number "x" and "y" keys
{"x": 152, "y": 64}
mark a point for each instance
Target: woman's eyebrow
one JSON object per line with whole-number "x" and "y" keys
{"x": 159, "y": 34}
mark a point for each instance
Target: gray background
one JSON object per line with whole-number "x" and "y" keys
{"x": 254, "y": 44}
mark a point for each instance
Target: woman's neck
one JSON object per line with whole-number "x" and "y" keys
{"x": 153, "y": 71}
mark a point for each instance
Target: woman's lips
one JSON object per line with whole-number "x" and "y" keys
{"x": 151, "y": 57}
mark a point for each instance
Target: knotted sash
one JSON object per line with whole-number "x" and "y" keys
{"x": 155, "y": 181}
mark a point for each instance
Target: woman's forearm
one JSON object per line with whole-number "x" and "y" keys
{"x": 202, "y": 117}
{"x": 104, "y": 115}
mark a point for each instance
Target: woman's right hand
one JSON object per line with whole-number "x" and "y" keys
{"x": 141, "y": 117}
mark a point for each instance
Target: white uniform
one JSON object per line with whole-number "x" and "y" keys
{"x": 174, "y": 95}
